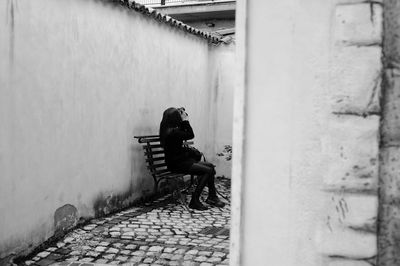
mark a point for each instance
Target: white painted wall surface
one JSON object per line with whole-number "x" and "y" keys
{"x": 221, "y": 71}
{"x": 287, "y": 75}
{"x": 78, "y": 79}
{"x": 310, "y": 144}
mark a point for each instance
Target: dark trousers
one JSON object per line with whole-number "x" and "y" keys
{"x": 206, "y": 176}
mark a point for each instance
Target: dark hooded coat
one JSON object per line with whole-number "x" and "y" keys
{"x": 173, "y": 132}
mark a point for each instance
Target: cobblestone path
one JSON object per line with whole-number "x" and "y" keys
{"x": 161, "y": 232}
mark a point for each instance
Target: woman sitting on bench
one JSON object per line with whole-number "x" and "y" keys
{"x": 174, "y": 130}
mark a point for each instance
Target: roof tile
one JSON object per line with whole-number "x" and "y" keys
{"x": 212, "y": 38}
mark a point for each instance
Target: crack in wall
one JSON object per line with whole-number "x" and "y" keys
{"x": 360, "y": 2}
{"x": 370, "y": 260}
{"x": 376, "y": 90}
{"x": 360, "y": 191}
{"x": 359, "y": 44}
{"x": 372, "y": 12}
{"x": 355, "y": 113}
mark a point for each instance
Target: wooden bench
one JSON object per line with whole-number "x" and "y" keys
{"x": 155, "y": 160}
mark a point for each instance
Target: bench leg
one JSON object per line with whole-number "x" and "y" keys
{"x": 177, "y": 193}
{"x": 181, "y": 197}
{"x": 155, "y": 189}
{"x": 190, "y": 188}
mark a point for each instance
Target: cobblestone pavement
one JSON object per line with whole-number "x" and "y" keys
{"x": 160, "y": 232}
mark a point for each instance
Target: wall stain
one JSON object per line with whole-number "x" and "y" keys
{"x": 328, "y": 223}
{"x": 216, "y": 87}
{"x": 65, "y": 218}
{"x": 12, "y": 7}
{"x": 107, "y": 204}
{"x": 372, "y": 11}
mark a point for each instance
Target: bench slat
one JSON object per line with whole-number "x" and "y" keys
{"x": 144, "y": 139}
{"x": 153, "y": 146}
{"x": 154, "y": 152}
{"x": 157, "y": 168}
{"x": 158, "y": 165}
{"x": 158, "y": 146}
{"x": 170, "y": 175}
{"x": 155, "y": 159}
{"x": 159, "y": 172}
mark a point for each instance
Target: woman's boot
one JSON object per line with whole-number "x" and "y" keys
{"x": 212, "y": 194}
{"x": 195, "y": 201}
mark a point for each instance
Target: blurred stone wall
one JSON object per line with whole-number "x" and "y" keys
{"x": 352, "y": 142}
{"x": 389, "y": 187}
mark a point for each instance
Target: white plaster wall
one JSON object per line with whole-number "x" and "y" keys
{"x": 78, "y": 79}
{"x": 287, "y": 76}
{"x": 222, "y": 67}
{"x": 297, "y": 208}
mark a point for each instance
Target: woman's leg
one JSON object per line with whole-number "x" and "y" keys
{"x": 201, "y": 168}
{"x": 207, "y": 178}
{"x": 204, "y": 173}
{"x": 209, "y": 164}
{"x": 212, "y": 191}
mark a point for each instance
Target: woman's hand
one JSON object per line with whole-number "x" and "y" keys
{"x": 183, "y": 113}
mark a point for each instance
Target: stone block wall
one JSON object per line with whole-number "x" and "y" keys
{"x": 310, "y": 187}
{"x": 348, "y": 235}
{"x": 389, "y": 186}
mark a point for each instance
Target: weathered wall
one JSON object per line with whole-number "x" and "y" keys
{"x": 349, "y": 234}
{"x": 389, "y": 186}
{"x": 78, "y": 79}
{"x": 311, "y": 133}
